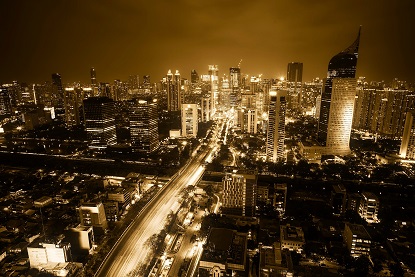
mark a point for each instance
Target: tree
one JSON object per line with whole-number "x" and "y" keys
{"x": 362, "y": 266}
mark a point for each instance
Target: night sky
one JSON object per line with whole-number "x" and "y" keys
{"x": 120, "y": 37}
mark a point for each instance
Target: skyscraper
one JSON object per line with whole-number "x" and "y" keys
{"x": 93, "y": 77}
{"x": 189, "y": 120}
{"x": 99, "y": 120}
{"x": 173, "y": 86}
{"x": 407, "y": 150}
{"x": 239, "y": 190}
{"x": 276, "y": 125}
{"x": 235, "y": 84}
{"x": 336, "y": 109}
{"x": 294, "y": 84}
{"x": 295, "y": 72}
{"x": 214, "y": 86}
{"x": 5, "y": 105}
{"x": 143, "y": 125}
{"x": 194, "y": 77}
{"x": 57, "y": 91}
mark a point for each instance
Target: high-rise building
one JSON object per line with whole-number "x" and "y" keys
{"x": 93, "y": 214}
{"x": 357, "y": 239}
{"x": 194, "y": 77}
{"x": 5, "y": 105}
{"x": 57, "y": 91}
{"x": 73, "y": 101}
{"x": 214, "y": 86}
{"x": 295, "y": 72}
{"x": 339, "y": 94}
{"x": 407, "y": 150}
{"x": 276, "y": 126}
{"x": 294, "y": 84}
{"x": 146, "y": 82}
{"x": 248, "y": 120}
{"x": 239, "y": 193}
{"x": 280, "y": 197}
{"x": 99, "y": 120}
{"x": 133, "y": 82}
{"x": 93, "y": 77}
{"x": 340, "y": 116}
{"x": 369, "y": 207}
{"x": 189, "y": 120}
{"x": 205, "y": 108}
{"x": 143, "y": 125}
{"x": 235, "y": 85}
{"x": 174, "y": 95}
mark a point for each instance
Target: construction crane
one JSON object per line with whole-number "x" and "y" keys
{"x": 239, "y": 64}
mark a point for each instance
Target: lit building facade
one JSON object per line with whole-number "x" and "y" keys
{"x": 57, "y": 91}
{"x": 143, "y": 123}
{"x": 357, "y": 239}
{"x": 407, "y": 150}
{"x": 205, "y": 108}
{"x": 294, "y": 84}
{"x": 42, "y": 254}
{"x": 99, "y": 120}
{"x": 280, "y": 197}
{"x": 93, "y": 77}
{"x": 93, "y": 214}
{"x": 174, "y": 95}
{"x": 292, "y": 238}
{"x": 239, "y": 193}
{"x": 276, "y": 126}
{"x": 214, "y": 86}
{"x": 189, "y": 120}
{"x": 369, "y": 207}
{"x": 340, "y": 116}
{"x": 5, "y": 104}
{"x": 334, "y": 131}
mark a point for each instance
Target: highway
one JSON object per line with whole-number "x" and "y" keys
{"x": 131, "y": 250}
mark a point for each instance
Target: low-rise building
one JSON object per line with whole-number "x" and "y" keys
{"x": 224, "y": 254}
{"x": 273, "y": 262}
{"x": 292, "y": 238}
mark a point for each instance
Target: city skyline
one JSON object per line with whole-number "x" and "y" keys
{"x": 148, "y": 38}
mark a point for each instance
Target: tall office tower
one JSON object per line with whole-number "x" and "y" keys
{"x": 143, "y": 125}
{"x": 93, "y": 77}
{"x": 318, "y": 107}
{"x": 276, "y": 126}
{"x": 205, "y": 108}
{"x": 57, "y": 91}
{"x": 146, "y": 82}
{"x": 73, "y": 100}
{"x": 5, "y": 105}
{"x": 105, "y": 90}
{"x": 239, "y": 193}
{"x": 235, "y": 84}
{"x": 194, "y": 78}
{"x": 99, "y": 120}
{"x": 173, "y": 91}
{"x": 341, "y": 116}
{"x": 294, "y": 84}
{"x": 93, "y": 214}
{"x": 248, "y": 100}
{"x": 189, "y": 120}
{"x": 120, "y": 91}
{"x": 295, "y": 72}
{"x": 369, "y": 207}
{"x": 133, "y": 82}
{"x": 407, "y": 150}
{"x": 337, "y": 101}
{"x": 254, "y": 83}
{"x": 248, "y": 120}
{"x": 214, "y": 86}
